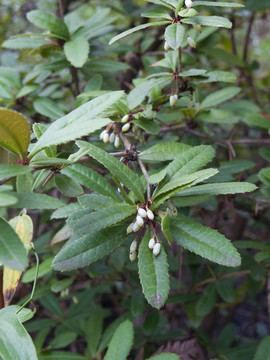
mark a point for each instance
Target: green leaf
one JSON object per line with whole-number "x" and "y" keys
{"x": 14, "y": 132}
{"x": 150, "y": 126}
{"x": 137, "y": 28}
{"x": 26, "y": 90}
{"x": 207, "y": 301}
{"x": 15, "y": 342}
{"x": 80, "y": 122}
{"x": 257, "y": 121}
{"x": 219, "y": 189}
{"x": 24, "y": 314}
{"x": 76, "y": 51}
{"x": 12, "y": 251}
{"x": 66, "y": 211}
{"x": 153, "y": 272}
{"x": 215, "y": 21}
{"x": 204, "y": 241}
{"x": 176, "y": 183}
{"x": 96, "y": 202}
{"x": 128, "y": 177}
{"x": 31, "y": 42}
{"x": 7, "y": 200}
{"x": 156, "y": 14}
{"x": 218, "y": 3}
{"x": 219, "y": 97}
{"x": 175, "y": 35}
{"x": 49, "y": 22}
{"x": 165, "y": 356}
{"x": 264, "y": 176}
{"x": 48, "y": 108}
{"x": 262, "y": 352}
{"x": 62, "y": 340}
{"x": 166, "y": 227}
{"x": 121, "y": 342}
{"x": 67, "y": 186}
{"x": 161, "y": 2}
{"x": 35, "y": 201}
{"x": 11, "y": 170}
{"x": 90, "y": 179}
{"x": 93, "y": 330}
{"x": 103, "y": 218}
{"x": 163, "y": 152}
{"x": 105, "y": 66}
{"x": 89, "y": 248}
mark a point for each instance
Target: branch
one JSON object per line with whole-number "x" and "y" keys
{"x": 247, "y": 39}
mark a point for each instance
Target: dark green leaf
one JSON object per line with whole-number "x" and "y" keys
{"x": 67, "y": 186}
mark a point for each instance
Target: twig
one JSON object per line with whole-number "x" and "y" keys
{"x": 145, "y": 173}
{"x": 75, "y": 80}
{"x": 247, "y": 38}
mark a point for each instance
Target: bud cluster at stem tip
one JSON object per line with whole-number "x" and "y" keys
{"x": 173, "y": 100}
{"x": 154, "y": 246}
{"x": 111, "y": 138}
{"x": 188, "y": 4}
{"x": 139, "y": 222}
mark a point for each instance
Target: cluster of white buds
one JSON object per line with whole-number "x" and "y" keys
{"x": 173, "y": 100}
{"x": 188, "y": 4}
{"x": 139, "y": 222}
{"x": 133, "y": 250}
{"x": 126, "y": 126}
{"x": 111, "y": 138}
{"x": 166, "y": 46}
{"x": 154, "y": 246}
{"x": 191, "y": 42}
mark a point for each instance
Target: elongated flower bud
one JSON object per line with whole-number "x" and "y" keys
{"x": 111, "y": 138}
{"x": 173, "y": 100}
{"x": 142, "y": 213}
{"x": 166, "y": 46}
{"x": 197, "y": 27}
{"x": 106, "y": 138}
{"x": 191, "y": 42}
{"x": 126, "y": 127}
{"x": 139, "y": 220}
{"x": 130, "y": 228}
{"x": 124, "y": 119}
{"x": 157, "y": 249}
{"x": 117, "y": 142}
{"x": 135, "y": 227}
{"x": 150, "y": 214}
{"x": 151, "y": 243}
{"x": 188, "y": 3}
{"x": 132, "y": 256}
{"x": 133, "y": 246}
{"x": 102, "y": 134}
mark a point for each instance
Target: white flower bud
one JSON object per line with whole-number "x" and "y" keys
{"x": 135, "y": 227}
{"x": 166, "y": 46}
{"x": 151, "y": 243}
{"x": 150, "y": 214}
{"x": 102, "y": 134}
{"x": 133, "y": 246}
{"x": 106, "y": 138}
{"x": 117, "y": 142}
{"x": 142, "y": 213}
{"x": 126, "y": 127}
{"x": 132, "y": 256}
{"x": 130, "y": 228}
{"x": 156, "y": 249}
{"x": 111, "y": 138}
{"x": 124, "y": 119}
{"x": 197, "y": 27}
{"x": 169, "y": 212}
{"x": 139, "y": 220}
{"x": 188, "y": 3}
{"x": 191, "y": 42}
{"x": 173, "y": 100}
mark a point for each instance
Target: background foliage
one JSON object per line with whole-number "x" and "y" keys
{"x": 199, "y": 162}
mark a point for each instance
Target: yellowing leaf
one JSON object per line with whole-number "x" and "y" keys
{"x": 14, "y": 132}
{"x": 23, "y": 226}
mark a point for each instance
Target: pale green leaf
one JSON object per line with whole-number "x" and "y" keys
{"x": 48, "y": 108}
{"x": 257, "y": 121}
{"x": 7, "y": 200}
{"x": 175, "y": 35}
{"x": 156, "y": 14}
{"x": 204, "y": 241}
{"x": 215, "y": 21}
{"x": 12, "y": 251}
{"x": 35, "y": 201}
{"x": 153, "y": 272}
{"x": 11, "y": 170}
{"x": 163, "y": 151}
{"x": 219, "y": 97}
{"x": 15, "y": 342}
{"x": 76, "y": 51}
{"x": 165, "y": 356}
{"x": 262, "y": 352}
{"x": 176, "y": 183}
{"x": 67, "y": 186}
{"x": 80, "y": 122}
{"x": 137, "y": 28}
{"x": 128, "y": 177}
{"x": 95, "y": 202}
{"x": 230, "y": 4}
{"x": 121, "y": 342}
{"x": 19, "y": 43}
